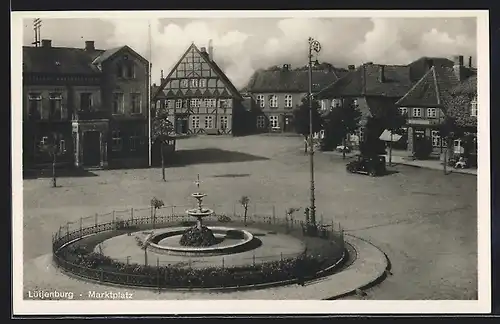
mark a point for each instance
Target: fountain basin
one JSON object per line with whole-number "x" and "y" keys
{"x": 246, "y": 242}
{"x": 196, "y": 212}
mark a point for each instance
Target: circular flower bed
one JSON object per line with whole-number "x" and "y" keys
{"x": 198, "y": 238}
{"x": 95, "y": 265}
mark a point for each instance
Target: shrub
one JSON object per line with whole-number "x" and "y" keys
{"x": 223, "y": 219}
{"x": 196, "y": 237}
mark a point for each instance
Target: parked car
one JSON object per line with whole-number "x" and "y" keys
{"x": 343, "y": 148}
{"x": 371, "y": 165}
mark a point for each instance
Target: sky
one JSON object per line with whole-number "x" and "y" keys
{"x": 243, "y": 45}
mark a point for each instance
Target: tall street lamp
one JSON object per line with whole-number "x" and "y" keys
{"x": 314, "y": 46}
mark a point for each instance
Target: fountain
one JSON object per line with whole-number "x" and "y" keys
{"x": 198, "y": 235}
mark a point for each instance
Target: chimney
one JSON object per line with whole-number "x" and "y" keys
{"x": 203, "y": 49}
{"x": 381, "y": 73}
{"x": 470, "y": 61}
{"x": 351, "y": 67}
{"x": 459, "y": 68}
{"x": 161, "y": 77}
{"x": 210, "y": 51}
{"x": 46, "y": 43}
{"x": 89, "y": 46}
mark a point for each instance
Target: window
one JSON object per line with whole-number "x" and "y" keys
{"x": 225, "y": 103}
{"x": 195, "y": 122}
{"x": 35, "y": 106}
{"x": 288, "y": 101}
{"x": 62, "y": 147}
{"x": 116, "y": 140}
{"x": 170, "y": 104}
{"x": 361, "y": 134}
{"x": 261, "y": 121}
{"x": 336, "y": 103}
{"x": 203, "y": 83}
{"x": 129, "y": 70}
{"x": 209, "y": 122}
{"x": 274, "y": 121}
{"x": 126, "y": 69}
{"x": 210, "y": 103}
{"x": 134, "y": 139}
{"x": 324, "y": 104}
{"x": 260, "y": 101}
{"x": 178, "y": 103}
{"x": 55, "y": 111}
{"x": 85, "y": 101}
{"x": 436, "y": 139}
{"x": 135, "y": 102}
{"x": 403, "y": 110}
{"x": 184, "y": 83}
{"x": 417, "y": 112}
{"x": 431, "y": 112}
{"x": 223, "y": 122}
{"x": 273, "y": 101}
{"x": 118, "y": 103}
{"x": 473, "y": 107}
{"x": 195, "y": 103}
{"x": 194, "y": 83}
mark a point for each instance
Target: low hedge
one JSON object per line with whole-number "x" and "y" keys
{"x": 98, "y": 266}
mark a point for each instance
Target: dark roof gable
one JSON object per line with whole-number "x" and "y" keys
{"x": 431, "y": 89}
{"x": 67, "y": 60}
{"x": 291, "y": 80}
{"x": 366, "y": 81}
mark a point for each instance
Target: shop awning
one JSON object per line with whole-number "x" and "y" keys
{"x": 386, "y": 136}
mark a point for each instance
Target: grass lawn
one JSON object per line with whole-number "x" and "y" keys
{"x": 425, "y": 221}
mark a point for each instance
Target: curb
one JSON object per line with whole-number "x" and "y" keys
{"x": 435, "y": 169}
{"x": 377, "y": 280}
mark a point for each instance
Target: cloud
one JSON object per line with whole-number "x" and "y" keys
{"x": 244, "y": 45}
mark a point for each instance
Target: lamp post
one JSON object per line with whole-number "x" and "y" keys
{"x": 314, "y": 46}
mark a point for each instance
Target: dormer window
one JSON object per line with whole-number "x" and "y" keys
{"x": 473, "y": 107}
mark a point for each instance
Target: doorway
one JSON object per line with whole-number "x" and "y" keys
{"x": 288, "y": 124}
{"x": 92, "y": 148}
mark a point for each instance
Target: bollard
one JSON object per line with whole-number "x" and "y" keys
{"x": 222, "y": 263}
{"x": 281, "y": 256}
{"x": 96, "y": 217}
{"x": 254, "y": 259}
{"x": 81, "y": 227}
{"x": 113, "y": 217}
{"x": 132, "y": 213}
{"x": 274, "y": 214}
{"x": 173, "y": 207}
{"x": 102, "y": 275}
{"x": 158, "y": 273}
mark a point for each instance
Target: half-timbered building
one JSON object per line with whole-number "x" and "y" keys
{"x": 95, "y": 100}
{"x": 197, "y": 96}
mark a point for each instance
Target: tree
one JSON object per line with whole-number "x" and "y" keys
{"x": 372, "y": 144}
{"x": 449, "y": 131}
{"x": 156, "y": 204}
{"x": 53, "y": 149}
{"x": 395, "y": 121}
{"x": 160, "y": 129}
{"x": 340, "y": 122}
{"x": 244, "y": 200}
{"x": 301, "y": 119}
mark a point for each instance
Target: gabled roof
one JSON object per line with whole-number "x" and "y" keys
{"x": 107, "y": 54}
{"x": 59, "y": 60}
{"x": 365, "y": 81}
{"x": 67, "y": 60}
{"x": 419, "y": 67}
{"x": 468, "y": 86}
{"x": 212, "y": 65}
{"x": 291, "y": 80}
{"x": 430, "y": 90}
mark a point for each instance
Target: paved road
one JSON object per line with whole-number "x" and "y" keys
{"x": 426, "y": 222}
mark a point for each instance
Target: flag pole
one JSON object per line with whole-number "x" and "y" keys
{"x": 149, "y": 92}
